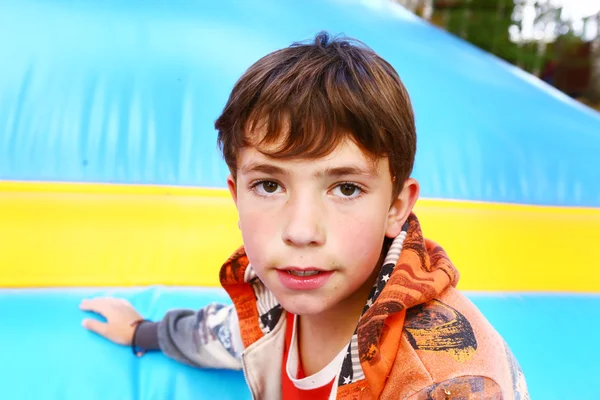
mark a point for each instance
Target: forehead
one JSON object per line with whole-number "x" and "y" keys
{"x": 345, "y": 154}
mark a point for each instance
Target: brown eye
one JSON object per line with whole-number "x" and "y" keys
{"x": 269, "y": 186}
{"x": 348, "y": 189}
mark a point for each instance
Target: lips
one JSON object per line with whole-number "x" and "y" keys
{"x": 295, "y": 278}
{"x": 303, "y": 273}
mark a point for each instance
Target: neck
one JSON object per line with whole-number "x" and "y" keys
{"x": 323, "y": 336}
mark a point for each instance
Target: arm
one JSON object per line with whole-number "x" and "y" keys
{"x": 209, "y": 338}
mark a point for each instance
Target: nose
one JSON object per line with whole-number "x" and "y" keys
{"x": 304, "y": 222}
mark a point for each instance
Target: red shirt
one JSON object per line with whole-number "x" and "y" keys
{"x": 289, "y": 390}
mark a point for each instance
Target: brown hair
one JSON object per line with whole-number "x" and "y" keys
{"x": 313, "y": 96}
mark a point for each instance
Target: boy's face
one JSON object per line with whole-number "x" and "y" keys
{"x": 313, "y": 230}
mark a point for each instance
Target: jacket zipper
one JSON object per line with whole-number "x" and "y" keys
{"x": 246, "y": 379}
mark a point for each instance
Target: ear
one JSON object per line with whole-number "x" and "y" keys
{"x": 231, "y": 185}
{"x": 402, "y": 207}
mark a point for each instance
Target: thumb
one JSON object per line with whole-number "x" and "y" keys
{"x": 95, "y": 326}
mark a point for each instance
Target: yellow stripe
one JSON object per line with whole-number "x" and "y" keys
{"x": 59, "y": 234}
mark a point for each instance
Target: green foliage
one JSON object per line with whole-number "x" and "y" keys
{"x": 496, "y": 26}
{"x": 486, "y": 24}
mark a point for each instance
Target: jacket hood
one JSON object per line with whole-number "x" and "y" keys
{"x": 415, "y": 271}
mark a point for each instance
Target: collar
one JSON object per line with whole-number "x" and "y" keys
{"x": 415, "y": 270}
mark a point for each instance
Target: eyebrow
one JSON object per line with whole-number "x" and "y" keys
{"x": 349, "y": 170}
{"x": 268, "y": 169}
{"x": 336, "y": 172}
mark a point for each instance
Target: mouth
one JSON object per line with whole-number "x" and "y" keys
{"x": 303, "y": 273}
{"x": 308, "y": 278}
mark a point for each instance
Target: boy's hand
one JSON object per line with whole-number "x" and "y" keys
{"x": 119, "y": 314}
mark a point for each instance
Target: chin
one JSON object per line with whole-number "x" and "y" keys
{"x": 304, "y": 304}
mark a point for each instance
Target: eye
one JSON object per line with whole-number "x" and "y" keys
{"x": 269, "y": 187}
{"x": 265, "y": 188}
{"x": 348, "y": 190}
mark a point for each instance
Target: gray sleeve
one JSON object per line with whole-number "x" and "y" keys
{"x": 208, "y": 338}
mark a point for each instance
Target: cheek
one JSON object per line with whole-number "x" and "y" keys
{"x": 359, "y": 240}
{"x": 258, "y": 231}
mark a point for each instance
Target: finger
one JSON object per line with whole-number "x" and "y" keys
{"x": 85, "y": 304}
{"x": 124, "y": 303}
{"x": 88, "y": 304}
{"x": 98, "y": 305}
{"x": 96, "y": 326}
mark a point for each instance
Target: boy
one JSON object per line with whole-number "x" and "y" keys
{"x": 335, "y": 293}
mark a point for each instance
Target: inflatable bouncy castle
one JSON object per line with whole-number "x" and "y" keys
{"x": 111, "y": 183}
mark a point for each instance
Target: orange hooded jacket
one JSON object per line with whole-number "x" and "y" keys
{"x": 420, "y": 338}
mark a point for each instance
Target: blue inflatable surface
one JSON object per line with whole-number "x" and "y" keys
{"x": 552, "y": 336}
{"x": 74, "y": 364}
{"x": 128, "y": 92}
